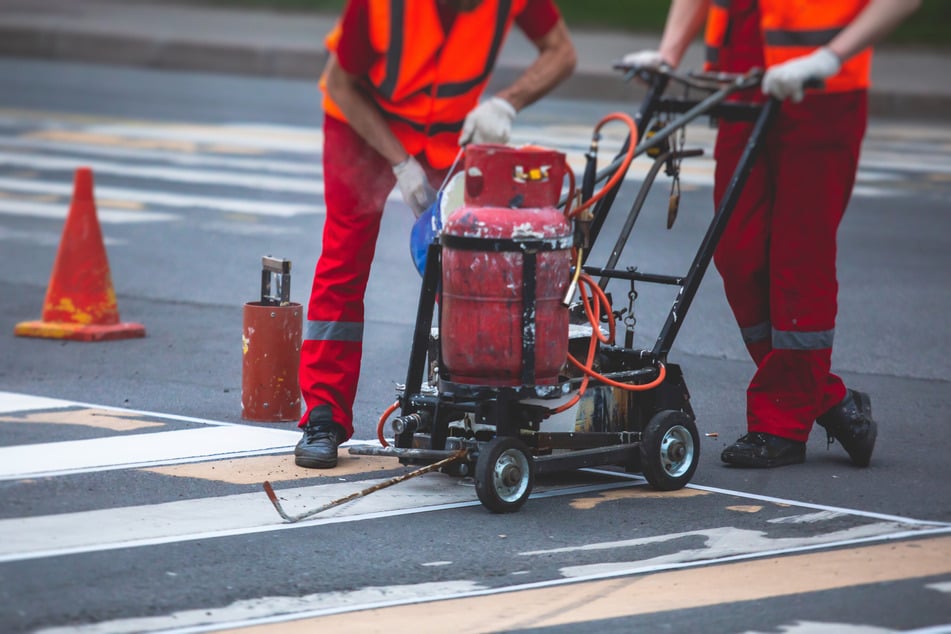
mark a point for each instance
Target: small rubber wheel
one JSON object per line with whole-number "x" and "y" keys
{"x": 504, "y": 475}
{"x": 670, "y": 450}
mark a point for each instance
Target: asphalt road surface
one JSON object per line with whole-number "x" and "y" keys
{"x": 130, "y": 486}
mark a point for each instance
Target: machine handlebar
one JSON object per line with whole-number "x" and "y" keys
{"x": 707, "y": 81}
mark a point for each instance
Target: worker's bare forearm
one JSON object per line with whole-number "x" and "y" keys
{"x": 684, "y": 21}
{"x": 875, "y": 21}
{"x": 362, "y": 113}
{"x": 555, "y": 62}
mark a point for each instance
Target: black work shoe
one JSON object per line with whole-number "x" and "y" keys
{"x": 850, "y": 422}
{"x": 760, "y": 450}
{"x": 318, "y": 448}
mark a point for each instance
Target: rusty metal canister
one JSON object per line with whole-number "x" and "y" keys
{"x": 271, "y": 343}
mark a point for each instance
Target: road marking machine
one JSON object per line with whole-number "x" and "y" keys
{"x": 509, "y": 375}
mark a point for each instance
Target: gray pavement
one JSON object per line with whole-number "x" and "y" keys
{"x": 908, "y": 83}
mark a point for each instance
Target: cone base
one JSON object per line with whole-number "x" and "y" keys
{"x": 78, "y": 332}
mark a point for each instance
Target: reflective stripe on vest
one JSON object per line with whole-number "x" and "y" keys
{"x": 794, "y": 29}
{"x": 424, "y": 82}
{"x": 791, "y": 340}
{"x": 718, "y": 23}
{"x": 333, "y": 331}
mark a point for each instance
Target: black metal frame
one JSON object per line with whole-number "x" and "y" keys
{"x": 425, "y": 416}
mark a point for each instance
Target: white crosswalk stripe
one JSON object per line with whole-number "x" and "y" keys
{"x": 172, "y": 174}
{"x": 150, "y": 171}
{"x": 167, "y": 199}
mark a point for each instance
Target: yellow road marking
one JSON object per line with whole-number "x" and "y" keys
{"x": 740, "y": 508}
{"x": 280, "y": 468}
{"x": 34, "y": 198}
{"x": 87, "y": 417}
{"x": 90, "y": 138}
{"x": 637, "y": 492}
{"x": 644, "y": 594}
{"x": 112, "y": 203}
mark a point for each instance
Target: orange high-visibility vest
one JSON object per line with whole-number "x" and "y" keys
{"x": 424, "y": 81}
{"x": 793, "y": 29}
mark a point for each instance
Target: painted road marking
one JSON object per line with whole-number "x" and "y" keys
{"x": 248, "y": 513}
{"x": 428, "y": 607}
{"x": 719, "y": 543}
{"x": 273, "y": 468}
{"x": 248, "y": 135}
{"x": 216, "y": 203}
{"x": 45, "y": 460}
{"x": 50, "y": 142}
{"x": 59, "y": 211}
{"x": 559, "y": 604}
{"x": 219, "y": 151}
{"x": 62, "y": 534}
{"x": 100, "y": 419}
{"x": 212, "y": 178}
{"x": 15, "y": 402}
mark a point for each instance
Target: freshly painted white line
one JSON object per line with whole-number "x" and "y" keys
{"x": 265, "y": 607}
{"x": 59, "y": 211}
{"x": 120, "y": 452}
{"x": 168, "y": 626}
{"x": 266, "y": 164}
{"x": 774, "y": 500}
{"x": 24, "y": 403}
{"x": 309, "y": 186}
{"x": 944, "y": 587}
{"x": 719, "y": 543}
{"x": 65, "y": 534}
{"x": 14, "y": 402}
{"x": 304, "y": 140}
{"x": 255, "y": 207}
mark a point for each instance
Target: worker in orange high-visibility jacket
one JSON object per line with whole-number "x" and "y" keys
{"x": 777, "y": 255}
{"x": 402, "y": 91}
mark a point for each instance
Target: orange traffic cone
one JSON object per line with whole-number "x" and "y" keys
{"x": 80, "y": 302}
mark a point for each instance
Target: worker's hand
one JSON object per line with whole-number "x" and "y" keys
{"x": 650, "y": 60}
{"x": 787, "y": 80}
{"x": 489, "y": 122}
{"x": 415, "y": 187}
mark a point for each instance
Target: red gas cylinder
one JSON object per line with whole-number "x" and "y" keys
{"x": 506, "y": 266}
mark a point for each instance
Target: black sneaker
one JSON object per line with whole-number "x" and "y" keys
{"x": 850, "y": 422}
{"x": 318, "y": 448}
{"x": 760, "y": 450}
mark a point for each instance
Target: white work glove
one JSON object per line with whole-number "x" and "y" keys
{"x": 787, "y": 80}
{"x": 415, "y": 187}
{"x": 489, "y": 122}
{"x": 643, "y": 59}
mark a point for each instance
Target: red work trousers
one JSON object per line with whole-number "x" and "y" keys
{"x": 777, "y": 255}
{"x": 357, "y": 181}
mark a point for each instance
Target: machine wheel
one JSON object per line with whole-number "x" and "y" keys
{"x": 670, "y": 450}
{"x": 504, "y": 475}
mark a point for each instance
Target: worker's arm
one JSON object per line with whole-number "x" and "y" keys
{"x": 875, "y": 21}
{"x": 491, "y": 121}
{"x": 684, "y": 21}
{"x": 363, "y": 115}
{"x": 556, "y": 60}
